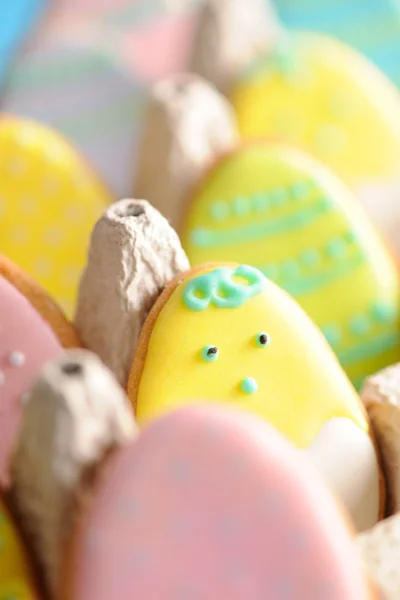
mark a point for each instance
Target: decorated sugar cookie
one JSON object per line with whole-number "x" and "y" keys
{"x": 273, "y": 207}
{"x": 217, "y": 505}
{"x": 41, "y": 301}
{"x": 225, "y": 332}
{"x": 16, "y": 580}
{"x": 74, "y": 78}
{"x": 49, "y": 202}
{"x": 319, "y": 94}
{"x": 27, "y": 342}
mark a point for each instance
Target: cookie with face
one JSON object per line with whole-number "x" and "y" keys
{"x": 218, "y": 505}
{"x": 272, "y": 206}
{"x": 16, "y": 579}
{"x": 49, "y": 202}
{"x": 224, "y": 331}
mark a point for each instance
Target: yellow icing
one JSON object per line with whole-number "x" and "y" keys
{"x": 15, "y": 577}
{"x": 300, "y": 384}
{"x": 312, "y": 238}
{"x": 329, "y": 100}
{"x": 49, "y": 202}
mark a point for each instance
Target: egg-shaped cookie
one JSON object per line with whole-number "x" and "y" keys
{"x": 211, "y": 503}
{"x": 16, "y": 577}
{"x": 225, "y": 332}
{"x": 41, "y": 301}
{"x": 27, "y": 342}
{"x": 272, "y": 206}
{"x": 49, "y": 202}
{"x": 319, "y": 94}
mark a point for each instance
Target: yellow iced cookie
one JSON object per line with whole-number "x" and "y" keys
{"x": 316, "y": 92}
{"x": 273, "y": 207}
{"x": 224, "y": 332}
{"x": 49, "y": 202}
{"x": 16, "y": 581}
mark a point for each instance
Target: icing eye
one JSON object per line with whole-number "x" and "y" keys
{"x": 209, "y": 353}
{"x": 263, "y": 340}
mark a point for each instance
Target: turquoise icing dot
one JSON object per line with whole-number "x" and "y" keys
{"x": 263, "y": 340}
{"x": 332, "y": 334}
{"x": 336, "y": 248}
{"x": 261, "y": 202}
{"x": 301, "y": 189}
{"x": 383, "y": 313}
{"x": 359, "y": 325}
{"x": 199, "y": 237}
{"x": 219, "y": 211}
{"x": 240, "y": 206}
{"x": 290, "y": 268}
{"x": 310, "y": 257}
{"x": 279, "y": 196}
{"x": 249, "y": 385}
{"x": 350, "y": 237}
{"x": 209, "y": 353}
{"x": 219, "y": 288}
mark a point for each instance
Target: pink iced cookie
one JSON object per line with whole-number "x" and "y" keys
{"x": 26, "y": 343}
{"x": 210, "y": 504}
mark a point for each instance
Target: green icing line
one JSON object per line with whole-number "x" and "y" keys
{"x": 205, "y": 237}
{"x": 364, "y": 351}
{"x": 219, "y": 289}
{"x": 307, "y": 285}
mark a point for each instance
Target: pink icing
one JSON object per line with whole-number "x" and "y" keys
{"x": 213, "y": 504}
{"x": 167, "y": 54}
{"x": 26, "y": 343}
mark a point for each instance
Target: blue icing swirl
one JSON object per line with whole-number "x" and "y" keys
{"x": 219, "y": 288}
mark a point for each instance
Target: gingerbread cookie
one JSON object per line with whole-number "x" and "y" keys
{"x": 273, "y": 207}
{"x": 26, "y": 343}
{"x": 16, "y": 579}
{"x": 211, "y": 503}
{"x": 317, "y": 93}
{"x": 225, "y": 332}
{"x": 49, "y": 202}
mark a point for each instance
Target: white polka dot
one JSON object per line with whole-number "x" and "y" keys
{"x": 74, "y": 212}
{"x": 18, "y": 235}
{"x": 16, "y": 358}
{"x": 17, "y": 167}
{"x": 53, "y": 236}
{"x": 43, "y": 267}
{"x": 50, "y": 186}
{"x": 28, "y": 205}
{"x": 70, "y": 275}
